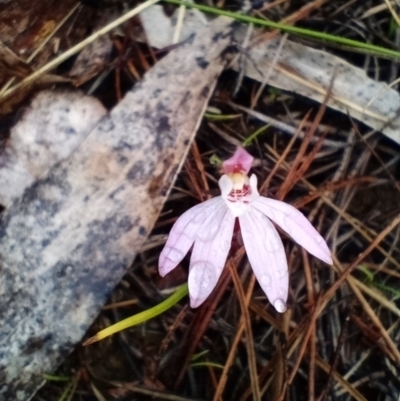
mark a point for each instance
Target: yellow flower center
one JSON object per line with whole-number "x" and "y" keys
{"x": 239, "y": 180}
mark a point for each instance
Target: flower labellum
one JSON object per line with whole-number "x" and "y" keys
{"x": 208, "y": 227}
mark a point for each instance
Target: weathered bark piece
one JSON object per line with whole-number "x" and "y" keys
{"x": 68, "y": 240}
{"x": 300, "y": 69}
{"x": 51, "y": 129}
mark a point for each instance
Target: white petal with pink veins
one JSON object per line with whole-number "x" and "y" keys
{"x": 208, "y": 258}
{"x": 295, "y": 224}
{"x": 209, "y": 229}
{"x": 266, "y": 256}
{"x": 186, "y": 229}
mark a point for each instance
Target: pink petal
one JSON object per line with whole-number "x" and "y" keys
{"x": 267, "y": 256}
{"x": 296, "y": 225}
{"x": 191, "y": 225}
{"x": 208, "y": 258}
{"x": 241, "y": 160}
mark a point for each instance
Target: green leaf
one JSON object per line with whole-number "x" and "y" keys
{"x": 141, "y": 317}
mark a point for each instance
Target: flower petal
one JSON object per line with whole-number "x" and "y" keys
{"x": 225, "y": 185}
{"x": 295, "y": 224}
{"x": 191, "y": 225}
{"x": 267, "y": 256}
{"x": 241, "y": 160}
{"x": 208, "y": 258}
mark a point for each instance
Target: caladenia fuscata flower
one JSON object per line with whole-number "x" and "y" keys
{"x": 209, "y": 226}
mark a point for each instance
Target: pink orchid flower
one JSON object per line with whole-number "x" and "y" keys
{"x": 209, "y": 226}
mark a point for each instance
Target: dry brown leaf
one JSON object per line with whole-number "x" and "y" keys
{"x": 69, "y": 239}
{"x": 300, "y": 69}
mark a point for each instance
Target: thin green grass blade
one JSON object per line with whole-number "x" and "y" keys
{"x": 212, "y": 364}
{"x": 350, "y": 43}
{"x": 55, "y": 378}
{"x": 249, "y": 140}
